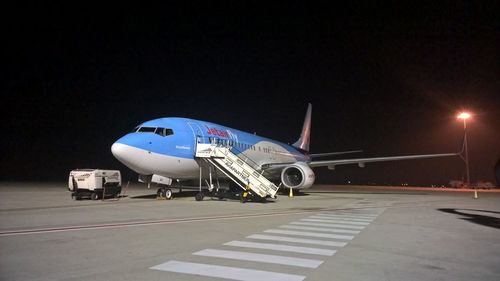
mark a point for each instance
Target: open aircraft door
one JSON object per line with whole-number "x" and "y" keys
{"x": 198, "y": 136}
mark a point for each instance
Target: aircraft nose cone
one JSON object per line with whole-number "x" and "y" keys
{"x": 117, "y": 151}
{"x": 130, "y": 157}
{"x": 123, "y": 153}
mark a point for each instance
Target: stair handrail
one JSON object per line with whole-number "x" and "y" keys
{"x": 225, "y": 143}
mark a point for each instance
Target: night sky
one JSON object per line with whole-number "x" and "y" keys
{"x": 387, "y": 78}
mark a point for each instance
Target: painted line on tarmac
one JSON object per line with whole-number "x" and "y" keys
{"x": 334, "y": 230}
{"x": 144, "y": 223}
{"x": 339, "y": 225}
{"x": 237, "y": 255}
{"x": 283, "y": 248}
{"x": 297, "y": 240}
{"x": 310, "y": 234}
{"x": 359, "y": 213}
{"x": 334, "y": 220}
{"x": 289, "y": 230}
{"x": 234, "y": 273}
{"x": 353, "y": 218}
{"x": 326, "y": 226}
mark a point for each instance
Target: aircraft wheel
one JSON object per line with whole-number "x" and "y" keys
{"x": 94, "y": 196}
{"x": 159, "y": 193}
{"x": 198, "y": 196}
{"x": 167, "y": 193}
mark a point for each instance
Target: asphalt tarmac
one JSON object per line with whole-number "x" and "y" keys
{"x": 325, "y": 233}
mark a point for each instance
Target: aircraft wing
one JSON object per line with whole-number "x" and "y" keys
{"x": 361, "y": 161}
{"x": 316, "y": 155}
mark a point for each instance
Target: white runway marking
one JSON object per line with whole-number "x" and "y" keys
{"x": 334, "y": 220}
{"x": 284, "y": 248}
{"x": 335, "y": 224}
{"x": 311, "y": 234}
{"x": 297, "y": 240}
{"x": 326, "y": 226}
{"x": 369, "y": 215}
{"x": 236, "y": 255}
{"x": 234, "y": 273}
{"x": 341, "y": 217}
{"x": 322, "y": 225}
{"x": 334, "y": 230}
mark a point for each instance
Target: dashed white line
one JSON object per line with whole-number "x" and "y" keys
{"x": 314, "y": 226}
{"x": 334, "y": 230}
{"x": 333, "y": 220}
{"x": 311, "y": 234}
{"x": 280, "y": 247}
{"x": 237, "y": 255}
{"x": 339, "y": 225}
{"x": 326, "y": 226}
{"x": 234, "y": 273}
{"x": 297, "y": 240}
{"x": 353, "y": 218}
{"x": 355, "y": 213}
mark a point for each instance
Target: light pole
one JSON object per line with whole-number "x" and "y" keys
{"x": 464, "y": 116}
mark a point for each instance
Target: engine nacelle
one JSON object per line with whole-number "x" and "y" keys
{"x": 297, "y": 176}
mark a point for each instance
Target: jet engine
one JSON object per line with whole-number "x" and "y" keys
{"x": 297, "y": 176}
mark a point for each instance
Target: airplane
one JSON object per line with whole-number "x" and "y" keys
{"x": 168, "y": 151}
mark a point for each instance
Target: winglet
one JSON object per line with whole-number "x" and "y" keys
{"x": 303, "y": 142}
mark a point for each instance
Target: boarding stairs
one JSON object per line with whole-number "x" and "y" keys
{"x": 236, "y": 168}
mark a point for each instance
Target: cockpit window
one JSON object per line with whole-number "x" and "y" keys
{"x": 157, "y": 130}
{"x": 164, "y": 132}
{"x": 135, "y": 129}
{"x": 147, "y": 129}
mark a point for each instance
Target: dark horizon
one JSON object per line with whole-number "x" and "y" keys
{"x": 385, "y": 78}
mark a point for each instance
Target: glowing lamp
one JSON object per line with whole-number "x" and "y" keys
{"x": 464, "y": 115}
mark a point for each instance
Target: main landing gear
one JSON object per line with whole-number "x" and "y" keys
{"x": 199, "y": 196}
{"x": 164, "y": 193}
